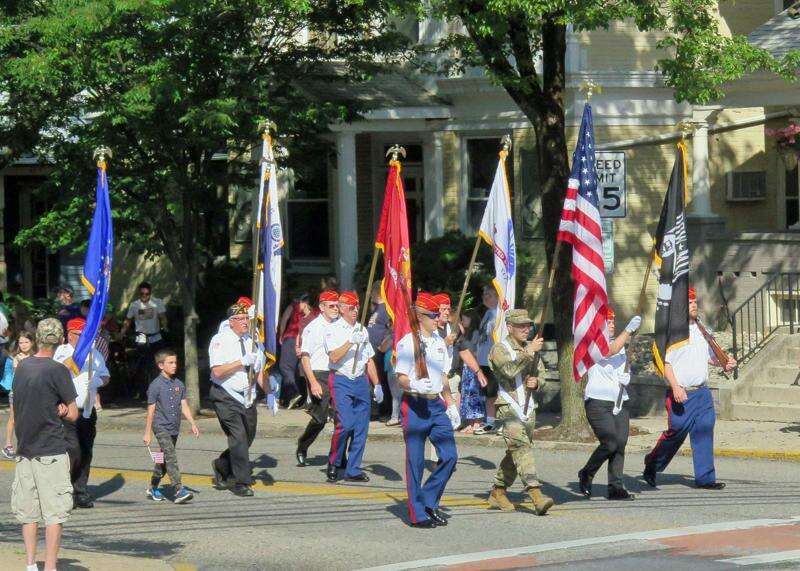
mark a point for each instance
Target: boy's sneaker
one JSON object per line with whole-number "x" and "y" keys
{"x": 8, "y": 452}
{"x": 155, "y": 494}
{"x": 485, "y": 429}
{"x": 183, "y": 496}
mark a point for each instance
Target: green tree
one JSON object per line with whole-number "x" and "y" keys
{"x": 167, "y": 85}
{"x": 522, "y": 45}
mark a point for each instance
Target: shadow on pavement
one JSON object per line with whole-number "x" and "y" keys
{"x": 113, "y": 484}
{"x": 384, "y": 472}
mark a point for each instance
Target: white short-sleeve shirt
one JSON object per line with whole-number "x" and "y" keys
{"x": 690, "y": 361}
{"x": 603, "y": 378}
{"x": 226, "y": 347}
{"x": 435, "y": 358}
{"x": 85, "y": 389}
{"x": 337, "y": 334}
{"x": 145, "y": 315}
{"x": 312, "y": 343}
{"x": 485, "y": 337}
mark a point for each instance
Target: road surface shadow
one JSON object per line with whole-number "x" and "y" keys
{"x": 384, "y": 472}
{"x": 113, "y": 484}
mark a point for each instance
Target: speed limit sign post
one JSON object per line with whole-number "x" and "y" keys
{"x": 610, "y": 167}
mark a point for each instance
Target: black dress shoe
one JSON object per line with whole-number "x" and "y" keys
{"x": 424, "y": 524}
{"x": 362, "y": 477}
{"x": 83, "y": 501}
{"x": 714, "y": 486}
{"x": 242, "y": 491}
{"x": 620, "y": 494}
{"x": 585, "y": 483}
{"x": 649, "y": 475}
{"x": 332, "y": 473}
{"x": 219, "y": 481}
{"x": 436, "y": 516}
{"x": 301, "y": 458}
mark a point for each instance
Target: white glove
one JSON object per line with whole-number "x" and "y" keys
{"x": 251, "y": 312}
{"x": 272, "y": 403}
{"x": 274, "y": 385}
{"x": 358, "y": 336}
{"x": 634, "y": 324}
{"x": 454, "y": 416}
{"x": 423, "y": 385}
{"x": 378, "y": 394}
{"x": 249, "y": 358}
{"x": 624, "y": 379}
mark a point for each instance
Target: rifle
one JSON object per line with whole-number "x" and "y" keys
{"x": 420, "y": 365}
{"x": 721, "y": 356}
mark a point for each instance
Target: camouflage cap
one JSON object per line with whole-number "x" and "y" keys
{"x": 518, "y": 317}
{"x": 49, "y": 332}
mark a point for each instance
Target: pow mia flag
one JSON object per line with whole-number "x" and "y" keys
{"x": 672, "y": 260}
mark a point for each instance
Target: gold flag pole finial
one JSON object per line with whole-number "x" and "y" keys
{"x": 685, "y": 128}
{"x": 101, "y": 154}
{"x": 506, "y": 142}
{"x": 590, "y": 87}
{"x": 395, "y": 151}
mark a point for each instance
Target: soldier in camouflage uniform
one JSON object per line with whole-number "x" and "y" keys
{"x": 511, "y": 361}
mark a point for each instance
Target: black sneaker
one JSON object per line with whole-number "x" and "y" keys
{"x": 219, "y": 481}
{"x": 620, "y": 494}
{"x": 242, "y": 490}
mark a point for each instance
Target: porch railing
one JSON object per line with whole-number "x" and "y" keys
{"x": 772, "y": 307}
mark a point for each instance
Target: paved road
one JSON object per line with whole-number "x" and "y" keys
{"x": 297, "y": 521}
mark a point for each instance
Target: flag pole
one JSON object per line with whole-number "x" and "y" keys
{"x": 395, "y": 151}
{"x": 506, "y": 146}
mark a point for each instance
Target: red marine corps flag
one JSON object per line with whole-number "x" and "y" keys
{"x": 392, "y": 239}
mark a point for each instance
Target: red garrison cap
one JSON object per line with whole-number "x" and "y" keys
{"x": 246, "y": 301}
{"x": 692, "y": 294}
{"x": 329, "y": 295}
{"x": 349, "y": 298}
{"x": 427, "y": 302}
{"x": 442, "y": 298}
{"x": 76, "y": 324}
{"x": 610, "y": 314}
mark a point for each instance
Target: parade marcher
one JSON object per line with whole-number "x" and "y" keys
{"x": 316, "y": 366}
{"x": 81, "y": 434}
{"x": 512, "y": 362}
{"x": 231, "y": 354}
{"x": 690, "y": 407}
{"x": 349, "y": 389}
{"x": 428, "y": 413}
{"x": 379, "y": 329}
{"x": 485, "y": 344}
{"x": 149, "y": 317}
{"x": 44, "y": 399}
{"x": 605, "y": 380}
{"x": 444, "y": 327}
{"x": 293, "y": 387}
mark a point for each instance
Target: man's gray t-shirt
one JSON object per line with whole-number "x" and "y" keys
{"x": 167, "y": 395}
{"x": 40, "y": 384}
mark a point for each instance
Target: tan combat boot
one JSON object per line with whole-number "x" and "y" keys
{"x": 499, "y": 500}
{"x": 541, "y": 503}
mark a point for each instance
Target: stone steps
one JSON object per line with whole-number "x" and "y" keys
{"x": 770, "y": 394}
{"x": 766, "y": 412}
{"x": 778, "y": 375}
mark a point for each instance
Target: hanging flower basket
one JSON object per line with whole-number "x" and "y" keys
{"x": 787, "y": 141}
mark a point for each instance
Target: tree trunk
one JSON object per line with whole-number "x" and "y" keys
{"x": 190, "y": 351}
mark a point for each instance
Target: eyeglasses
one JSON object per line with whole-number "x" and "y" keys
{"x": 238, "y": 318}
{"x": 429, "y": 315}
{"x": 345, "y": 307}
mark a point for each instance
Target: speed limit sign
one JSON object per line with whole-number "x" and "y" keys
{"x": 610, "y": 167}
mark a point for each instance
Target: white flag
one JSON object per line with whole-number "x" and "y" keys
{"x": 497, "y": 230}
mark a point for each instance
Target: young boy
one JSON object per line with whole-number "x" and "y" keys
{"x": 166, "y": 400}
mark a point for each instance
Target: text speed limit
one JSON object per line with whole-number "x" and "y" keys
{"x": 610, "y": 167}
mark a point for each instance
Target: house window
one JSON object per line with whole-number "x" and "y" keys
{"x": 307, "y": 212}
{"x": 482, "y": 156}
{"x": 746, "y": 186}
{"x": 792, "y": 197}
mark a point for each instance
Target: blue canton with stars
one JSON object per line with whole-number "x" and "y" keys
{"x": 583, "y": 161}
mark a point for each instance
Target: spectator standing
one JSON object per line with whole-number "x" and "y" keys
{"x": 25, "y": 348}
{"x": 288, "y": 331}
{"x": 473, "y": 379}
{"x": 42, "y": 492}
{"x": 66, "y": 307}
{"x": 149, "y": 317}
{"x": 379, "y": 328}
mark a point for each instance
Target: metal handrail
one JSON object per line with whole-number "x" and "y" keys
{"x": 763, "y": 313}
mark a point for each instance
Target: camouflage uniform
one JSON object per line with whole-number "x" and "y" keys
{"x": 517, "y": 434}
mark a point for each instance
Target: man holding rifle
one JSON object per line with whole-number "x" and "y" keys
{"x": 690, "y": 407}
{"x": 427, "y": 411}
{"x": 512, "y": 361}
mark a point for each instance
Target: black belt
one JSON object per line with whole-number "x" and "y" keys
{"x": 421, "y": 395}
{"x": 690, "y": 389}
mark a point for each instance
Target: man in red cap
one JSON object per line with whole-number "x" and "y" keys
{"x": 690, "y": 407}
{"x": 80, "y": 435}
{"x": 351, "y": 364}
{"x": 428, "y": 413}
{"x": 316, "y": 367}
{"x": 443, "y": 325}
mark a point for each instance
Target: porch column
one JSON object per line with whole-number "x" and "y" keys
{"x": 701, "y": 186}
{"x": 434, "y": 185}
{"x": 346, "y": 217}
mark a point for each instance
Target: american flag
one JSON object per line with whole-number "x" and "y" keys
{"x": 580, "y": 226}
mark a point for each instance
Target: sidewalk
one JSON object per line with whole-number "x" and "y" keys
{"x": 737, "y": 438}
{"x": 13, "y": 557}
